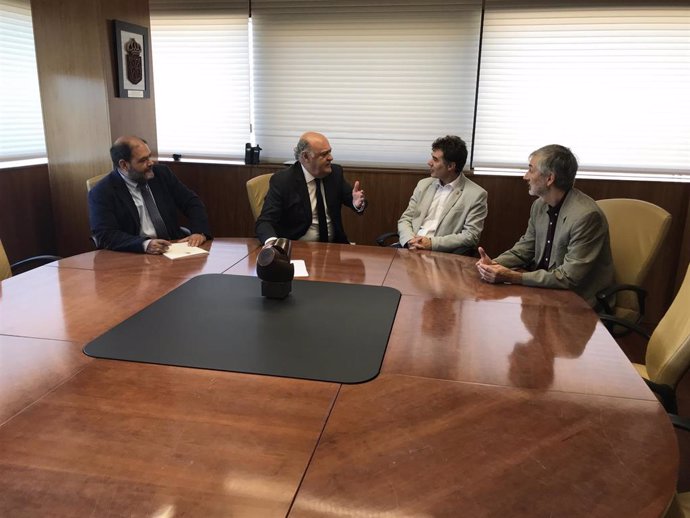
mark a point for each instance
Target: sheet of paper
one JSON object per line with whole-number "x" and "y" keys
{"x": 300, "y": 268}
{"x": 182, "y": 250}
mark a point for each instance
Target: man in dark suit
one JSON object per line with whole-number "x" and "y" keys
{"x": 303, "y": 201}
{"x": 134, "y": 208}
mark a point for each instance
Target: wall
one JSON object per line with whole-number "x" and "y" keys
{"x": 82, "y": 116}
{"x": 222, "y": 187}
{"x": 26, "y": 222}
{"x": 25, "y": 201}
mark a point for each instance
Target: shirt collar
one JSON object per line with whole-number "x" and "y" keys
{"x": 308, "y": 177}
{"x": 453, "y": 185}
{"x": 127, "y": 180}
{"x": 555, "y": 210}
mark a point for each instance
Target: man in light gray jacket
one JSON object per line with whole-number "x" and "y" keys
{"x": 446, "y": 212}
{"x": 566, "y": 244}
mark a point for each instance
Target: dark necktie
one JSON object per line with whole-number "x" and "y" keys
{"x": 156, "y": 219}
{"x": 321, "y": 213}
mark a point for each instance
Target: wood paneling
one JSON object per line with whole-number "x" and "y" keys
{"x": 26, "y": 217}
{"x": 74, "y": 53}
{"x": 127, "y": 116}
{"x": 75, "y": 115}
{"x": 222, "y": 187}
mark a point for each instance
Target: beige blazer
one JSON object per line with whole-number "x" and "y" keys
{"x": 461, "y": 222}
{"x": 581, "y": 253}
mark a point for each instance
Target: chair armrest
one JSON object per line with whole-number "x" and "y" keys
{"x": 32, "y": 262}
{"x": 381, "y": 240}
{"x": 604, "y": 296}
{"x": 665, "y": 394}
{"x": 682, "y": 423}
{"x": 609, "y": 321}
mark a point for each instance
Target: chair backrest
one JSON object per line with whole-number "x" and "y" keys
{"x": 5, "y": 270}
{"x": 257, "y": 188}
{"x": 91, "y": 182}
{"x": 637, "y": 229}
{"x": 668, "y": 350}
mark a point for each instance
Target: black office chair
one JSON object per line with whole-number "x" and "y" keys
{"x": 7, "y": 270}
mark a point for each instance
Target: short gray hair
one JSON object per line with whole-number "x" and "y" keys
{"x": 301, "y": 147}
{"x": 558, "y": 160}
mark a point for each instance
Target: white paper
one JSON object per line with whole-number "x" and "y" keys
{"x": 300, "y": 268}
{"x": 181, "y": 250}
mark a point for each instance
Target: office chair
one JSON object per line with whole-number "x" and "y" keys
{"x": 637, "y": 229}
{"x": 257, "y": 188}
{"x": 7, "y": 270}
{"x": 91, "y": 182}
{"x": 668, "y": 350}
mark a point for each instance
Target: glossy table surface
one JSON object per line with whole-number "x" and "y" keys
{"x": 492, "y": 401}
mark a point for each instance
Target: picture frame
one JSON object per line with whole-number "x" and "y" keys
{"x": 132, "y": 50}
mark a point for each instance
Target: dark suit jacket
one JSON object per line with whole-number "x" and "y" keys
{"x": 287, "y": 210}
{"x": 115, "y": 221}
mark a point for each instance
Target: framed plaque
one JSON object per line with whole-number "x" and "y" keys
{"x": 132, "y": 48}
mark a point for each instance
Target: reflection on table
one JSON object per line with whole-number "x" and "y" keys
{"x": 492, "y": 401}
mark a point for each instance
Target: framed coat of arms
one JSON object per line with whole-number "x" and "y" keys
{"x": 132, "y": 46}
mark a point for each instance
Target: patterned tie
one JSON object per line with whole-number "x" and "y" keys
{"x": 156, "y": 219}
{"x": 321, "y": 213}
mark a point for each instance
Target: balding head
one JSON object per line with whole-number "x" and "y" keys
{"x": 122, "y": 148}
{"x": 313, "y": 151}
{"x": 132, "y": 156}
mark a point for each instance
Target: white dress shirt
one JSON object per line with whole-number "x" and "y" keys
{"x": 147, "y": 229}
{"x": 312, "y": 233}
{"x": 430, "y": 223}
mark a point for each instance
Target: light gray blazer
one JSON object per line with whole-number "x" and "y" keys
{"x": 461, "y": 222}
{"x": 581, "y": 253}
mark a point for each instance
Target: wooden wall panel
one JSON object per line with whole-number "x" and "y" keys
{"x": 26, "y": 222}
{"x": 26, "y": 218}
{"x": 75, "y": 112}
{"x": 127, "y": 116}
{"x": 75, "y": 52}
{"x": 222, "y": 187}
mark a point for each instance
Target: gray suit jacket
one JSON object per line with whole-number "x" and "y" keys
{"x": 581, "y": 253}
{"x": 461, "y": 222}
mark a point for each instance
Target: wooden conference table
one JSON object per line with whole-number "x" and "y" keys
{"x": 492, "y": 401}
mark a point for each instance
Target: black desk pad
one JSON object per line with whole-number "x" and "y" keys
{"x": 322, "y": 331}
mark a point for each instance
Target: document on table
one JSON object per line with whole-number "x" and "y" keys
{"x": 183, "y": 250}
{"x": 300, "y": 268}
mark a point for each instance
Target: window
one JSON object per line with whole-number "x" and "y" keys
{"x": 611, "y": 83}
{"x": 381, "y": 81}
{"x": 201, "y": 74}
{"x": 21, "y": 120}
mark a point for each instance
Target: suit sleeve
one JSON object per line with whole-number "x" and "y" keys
{"x": 468, "y": 237}
{"x": 586, "y": 243}
{"x": 268, "y": 220}
{"x": 105, "y": 227}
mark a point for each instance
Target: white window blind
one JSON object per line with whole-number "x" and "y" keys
{"x": 611, "y": 83}
{"x": 21, "y": 120}
{"x": 380, "y": 80}
{"x": 201, "y": 73}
